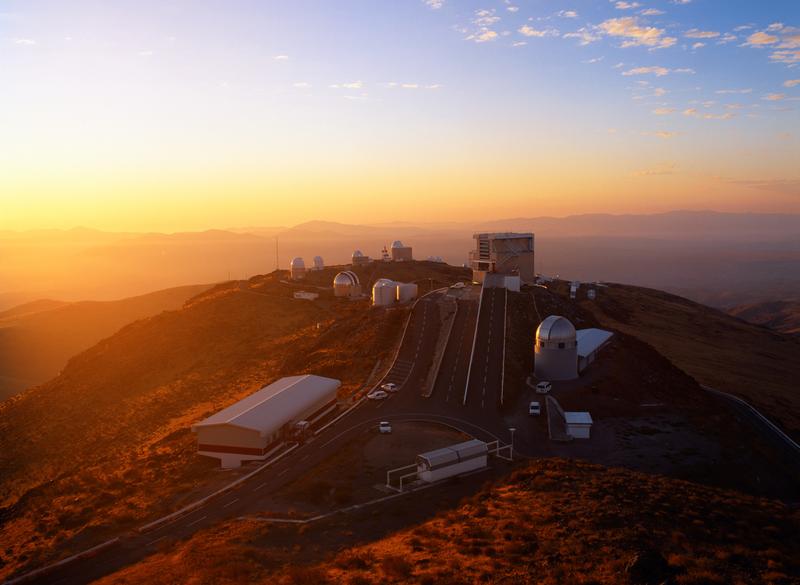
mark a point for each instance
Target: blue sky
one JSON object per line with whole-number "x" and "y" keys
{"x": 546, "y": 106}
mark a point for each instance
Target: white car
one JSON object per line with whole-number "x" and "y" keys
{"x": 390, "y": 387}
{"x": 384, "y": 428}
{"x": 534, "y": 409}
{"x": 543, "y": 387}
{"x": 378, "y": 395}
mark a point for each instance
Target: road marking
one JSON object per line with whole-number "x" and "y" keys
{"x": 197, "y": 521}
{"x": 231, "y": 503}
{"x": 156, "y": 540}
{"x": 259, "y": 486}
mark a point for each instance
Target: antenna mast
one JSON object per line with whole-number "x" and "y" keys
{"x": 276, "y": 253}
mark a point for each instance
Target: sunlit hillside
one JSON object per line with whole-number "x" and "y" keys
{"x": 552, "y": 522}
{"x": 37, "y": 338}
{"x": 107, "y": 442}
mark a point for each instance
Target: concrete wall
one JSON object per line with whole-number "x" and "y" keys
{"x": 556, "y": 364}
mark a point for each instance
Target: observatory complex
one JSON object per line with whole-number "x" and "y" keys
{"x": 506, "y": 253}
{"x": 401, "y": 253}
{"x": 359, "y": 259}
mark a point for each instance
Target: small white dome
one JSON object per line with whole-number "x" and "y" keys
{"x": 298, "y": 263}
{"x": 397, "y": 244}
{"x": 357, "y": 254}
{"x": 556, "y": 328}
{"x": 381, "y": 282}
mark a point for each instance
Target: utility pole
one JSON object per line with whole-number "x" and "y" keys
{"x": 276, "y": 254}
{"x": 512, "y": 429}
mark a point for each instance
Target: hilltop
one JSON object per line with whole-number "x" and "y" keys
{"x": 107, "y": 443}
{"x": 37, "y": 338}
{"x": 553, "y": 521}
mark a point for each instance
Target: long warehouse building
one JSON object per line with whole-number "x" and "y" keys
{"x": 254, "y": 427}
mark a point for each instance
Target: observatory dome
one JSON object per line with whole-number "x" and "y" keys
{"x": 298, "y": 263}
{"x": 358, "y": 254}
{"x": 345, "y": 279}
{"x": 384, "y": 292}
{"x": 346, "y": 284}
{"x": 556, "y": 328}
{"x": 319, "y": 263}
{"x": 397, "y": 244}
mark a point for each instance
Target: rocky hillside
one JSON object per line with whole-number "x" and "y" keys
{"x": 107, "y": 444}
{"x": 37, "y": 338}
{"x": 553, "y": 521}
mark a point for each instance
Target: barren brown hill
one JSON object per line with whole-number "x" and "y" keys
{"x": 718, "y": 350}
{"x": 552, "y": 522}
{"x": 37, "y": 338}
{"x": 106, "y": 444}
{"x": 783, "y": 316}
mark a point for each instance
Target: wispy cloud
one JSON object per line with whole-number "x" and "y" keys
{"x": 663, "y": 134}
{"x": 774, "y": 97}
{"x": 791, "y": 83}
{"x": 695, "y": 113}
{"x": 664, "y": 111}
{"x": 666, "y": 168}
{"x": 434, "y": 4}
{"x": 25, "y": 42}
{"x": 694, "y": 33}
{"x": 653, "y": 70}
{"x": 734, "y": 91}
{"x": 529, "y": 31}
{"x": 635, "y": 34}
{"x": 348, "y": 85}
{"x": 280, "y": 58}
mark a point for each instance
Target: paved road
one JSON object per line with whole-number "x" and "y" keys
{"x": 482, "y": 395}
{"x": 449, "y": 385}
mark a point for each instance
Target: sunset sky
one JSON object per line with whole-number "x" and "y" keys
{"x": 175, "y": 115}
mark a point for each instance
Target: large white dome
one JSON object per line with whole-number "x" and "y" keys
{"x": 298, "y": 263}
{"x": 556, "y": 328}
{"x": 345, "y": 279}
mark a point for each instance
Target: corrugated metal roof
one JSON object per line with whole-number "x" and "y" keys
{"x": 578, "y": 418}
{"x": 591, "y": 339}
{"x": 271, "y": 407}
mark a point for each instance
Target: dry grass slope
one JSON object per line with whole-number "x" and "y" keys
{"x": 552, "y": 522}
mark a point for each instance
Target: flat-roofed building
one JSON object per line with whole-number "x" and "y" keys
{"x": 590, "y": 342}
{"x": 578, "y": 424}
{"x": 254, "y": 427}
{"x": 509, "y": 253}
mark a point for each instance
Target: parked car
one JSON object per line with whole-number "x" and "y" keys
{"x": 535, "y": 409}
{"x": 390, "y": 387}
{"x": 378, "y": 395}
{"x": 543, "y": 387}
{"x": 384, "y": 427}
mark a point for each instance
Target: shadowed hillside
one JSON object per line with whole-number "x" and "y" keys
{"x": 37, "y": 338}
{"x": 716, "y": 349}
{"x": 552, "y": 522}
{"x": 107, "y": 443}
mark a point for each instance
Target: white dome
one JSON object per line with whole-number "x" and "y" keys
{"x": 357, "y": 254}
{"x": 319, "y": 262}
{"x": 556, "y": 328}
{"x": 397, "y": 244}
{"x": 346, "y": 279}
{"x": 298, "y": 263}
{"x": 383, "y": 282}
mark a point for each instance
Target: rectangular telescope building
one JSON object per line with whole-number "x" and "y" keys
{"x": 254, "y": 427}
{"x": 506, "y": 253}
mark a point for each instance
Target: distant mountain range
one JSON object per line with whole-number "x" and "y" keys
{"x": 723, "y": 259}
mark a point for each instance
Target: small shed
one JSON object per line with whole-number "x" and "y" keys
{"x": 579, "y": 424}
{"x": 453, "y": 460}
